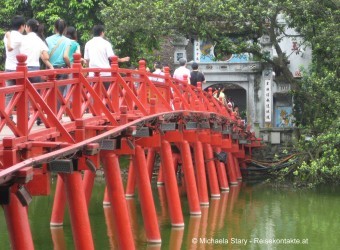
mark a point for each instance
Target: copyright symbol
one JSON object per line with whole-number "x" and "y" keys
{"x": 194, "y": 240}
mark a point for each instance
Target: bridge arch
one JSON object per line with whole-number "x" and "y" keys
{"x": 102, "y": 124}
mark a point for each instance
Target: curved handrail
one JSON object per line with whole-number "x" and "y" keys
{"x": 73, "y": 148}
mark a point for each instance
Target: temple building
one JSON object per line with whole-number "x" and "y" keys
{"x": 263, "y": 97}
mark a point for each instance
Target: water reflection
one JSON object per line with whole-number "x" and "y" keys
{"x": 110, "y": 227}
{"x": 58, "y": 238}
{"x": 245, "y": 212}
{"x": 176, "y": 238}
{"x": 163, "y": 214}
{"x": 193, "y": 230}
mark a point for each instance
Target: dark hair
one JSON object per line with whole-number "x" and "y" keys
{"x": 194, "y": 66}
{"x": 33, "y": 24}
{"x": 71, "y": 33}
{"x": 182, "y": 61}
{"x": 97, "y": 30}
{"x": 17, "y": 22}
{"x": 60, "y": 26}
{"x": 158, "y": 65}
{"x": 41, "y": 31}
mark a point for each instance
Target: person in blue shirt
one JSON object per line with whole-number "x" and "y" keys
{"x": 59, "y": 47}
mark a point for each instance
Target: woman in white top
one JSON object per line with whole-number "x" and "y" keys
{"x": 34, "y": 47}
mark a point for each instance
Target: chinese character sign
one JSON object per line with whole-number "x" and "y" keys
{"x": 268, "y": 101}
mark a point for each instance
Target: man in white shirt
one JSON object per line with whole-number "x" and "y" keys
{"x": 98, "y": 51}
{"x": 13, "y": 49}
{"x": 181, "y": 71}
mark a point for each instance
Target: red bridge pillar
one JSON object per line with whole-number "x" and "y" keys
{"x": 150, "y": 161}
{"x": 221, "y": 173}
{"x": 116, "y": 194}
{"x": 231, "y": 169}
{"x": 18, "y": 225}
{"x": 15, "y": 213}
{"x": 146, "y": 198}
{"x": 238, "y": 170}
{"x": 171, "y": 187}
{"x": 131, "y": 181}
{"x": 200, "y": 173}
{"x": 80, "y": 220}
{"x": 59, "y": 203}
{"x": 210, "y": 165}
{"x": 190, "y": 181}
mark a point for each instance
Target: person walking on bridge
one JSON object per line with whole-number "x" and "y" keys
{"x": 196, "y": 75}
{"x": 35, "y": 48}
{"x": 98, "y": 51}
{"x": 12, "y": 49}
{"x": 182, "y": 70}
{"x": 59, "y": 47}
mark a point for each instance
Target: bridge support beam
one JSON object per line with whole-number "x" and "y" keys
{"x": 160, "y": 179}
{"x": 58, "y": 210}
{"x": 131, "y": 181}
{"x": 116, "y": 195}
{"x": 150, "y": 161}
{"x": 200, "y": 174}
{"x": 106, "y": 199}
{"x": 190, "y": 180}
{"x": 88, "y": 183}
{"x": 212, "y": 176}
{"x": 18, "y": 224}
{"x": 231, "y": 169}
{"x": 221, "y": 173}
{"x": 147, "y": 203}
{"x": 238, "y": 170}
{"x": 222, "y": 176}
{"x": 171, "y": 188}
{"x": 80, "y": 220}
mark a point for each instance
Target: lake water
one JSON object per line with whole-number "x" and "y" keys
{"x": 250, "y": 216}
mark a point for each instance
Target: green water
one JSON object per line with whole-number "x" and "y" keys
{"x": 250, "y": 216}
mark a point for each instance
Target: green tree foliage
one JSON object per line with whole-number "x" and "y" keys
{"x": 317, "y": 102}
{"x": 135, "y": 28}
{"x": 80, "y": 14}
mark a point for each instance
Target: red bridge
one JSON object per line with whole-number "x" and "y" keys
{"x": 97, "y": 121}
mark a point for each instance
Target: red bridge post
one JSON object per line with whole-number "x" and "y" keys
{"x": 18, "y": 225}
{"x": 174, "y": 203}
{"x": 221, "y": 173}
{"x": 131, "y": 181}
{"x": 160, "y": 179}
{"x": 116, "y": 195}
{"x": 16, "y": 214}
{"x": 211, "y": 170}
{"x": 146, "y": 198}
{"x": 190, "y": 180}
{"x": 79, "y": 216}
{"x": 237, "y": 167}
{"x": 200, "y": 173}
{"x": 58, "y": 209}
{"x": 150, "y": 161}
{"x": 231, "y": 169}
{"x": 22, "y": 105}
{"x": 106, "y": 199}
